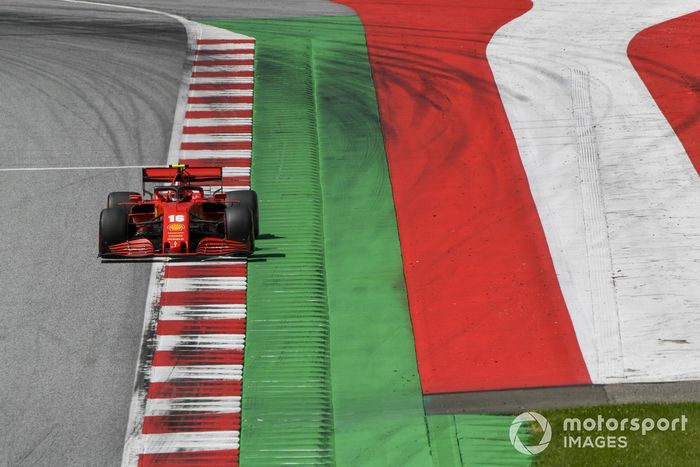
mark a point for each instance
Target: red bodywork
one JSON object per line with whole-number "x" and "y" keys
{"x": 178, "y": 219}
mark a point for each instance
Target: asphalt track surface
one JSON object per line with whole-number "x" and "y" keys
{"x": 80, "y": 86}
{"x": 215, "y": 9}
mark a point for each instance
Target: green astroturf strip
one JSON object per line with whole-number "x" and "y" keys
{"x": 474, "y": 440}
{"x": 443, "y": 441}
{"x": 333, "y": 257}
{"x": 286, "y": 408}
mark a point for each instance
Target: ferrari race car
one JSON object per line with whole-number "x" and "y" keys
{"x": 180, "y": 213}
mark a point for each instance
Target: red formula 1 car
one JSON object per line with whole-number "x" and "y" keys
{"x": 174, "y": 216}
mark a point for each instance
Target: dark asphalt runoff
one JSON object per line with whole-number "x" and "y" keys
{"x": 513, "y": 401}
{"x": 81, "y": 86}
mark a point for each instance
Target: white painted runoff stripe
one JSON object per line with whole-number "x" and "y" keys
{"x": 223, "y": 57}
{"x": 204, "y": 312}
{"x": 236, "y": 56}
{"x": 155, "y": 407}
{"x": 189, "y": 441}
{"x": 231, "y": 68}
{"x": 219, "y": 106}
{"x": 241, "y": 186}
{"x": 217, "y": 137}
{"x": 228, "y": 46}
{"x": 222, "y": 93}
{"x": 221, "y": 261}
{"x": 606, "y": 320}
{"x": 235, "y": 171}
{"x": 204, "y": 283}
{"x": 161, "y": 374}
{"x": 218, "y": 121}
{"x": 202, "y": 49}
{"x": 616, "y": 193}
{"x": 201, "y": 341}
{"x": 224, "y": 80}
{"x": 208, "y": 154}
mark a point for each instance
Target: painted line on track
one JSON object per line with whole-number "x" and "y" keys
{"x": 39, "y": 169}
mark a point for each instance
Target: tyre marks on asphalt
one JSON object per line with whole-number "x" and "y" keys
{"x": 186, "y": 407}
{"x": 605, "y": 318}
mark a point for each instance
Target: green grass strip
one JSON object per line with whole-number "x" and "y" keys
{"x": 656, "y": 447}
{"x": 320, "y": 169}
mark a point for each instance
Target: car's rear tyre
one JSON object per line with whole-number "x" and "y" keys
{"x": 247, "y": 199}
{"x": 116, "y": 197}
{"x": 114, "y": 228}
{"x": 239, "y": 225}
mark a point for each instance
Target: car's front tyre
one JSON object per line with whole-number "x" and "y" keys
{"x": 115, "y": 198}
{"x": 114, "y": 228}
{"x": 239, "y": 225}
{"x": 248, "y": 199}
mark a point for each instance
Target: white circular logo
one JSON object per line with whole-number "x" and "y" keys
{"x": 546, "y": 428}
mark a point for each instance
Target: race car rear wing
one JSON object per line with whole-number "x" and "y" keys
{"x": 183, "y": 174}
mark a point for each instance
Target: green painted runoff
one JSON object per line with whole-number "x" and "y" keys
{"x": 315, "y": 108}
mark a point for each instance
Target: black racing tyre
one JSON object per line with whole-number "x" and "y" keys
{"x": 239, "y": 225}
{"x": 114, "y": 228}
{"x": 116, "y": 197}
{"x": 248, "y": 199}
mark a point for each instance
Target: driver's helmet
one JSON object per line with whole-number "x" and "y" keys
{"x": 167, "y": 195}
{"x": 185, "y": 195}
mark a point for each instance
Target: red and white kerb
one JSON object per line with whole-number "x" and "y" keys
{"x": 217, "y": 130}
{"x": 186, "y": 409}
